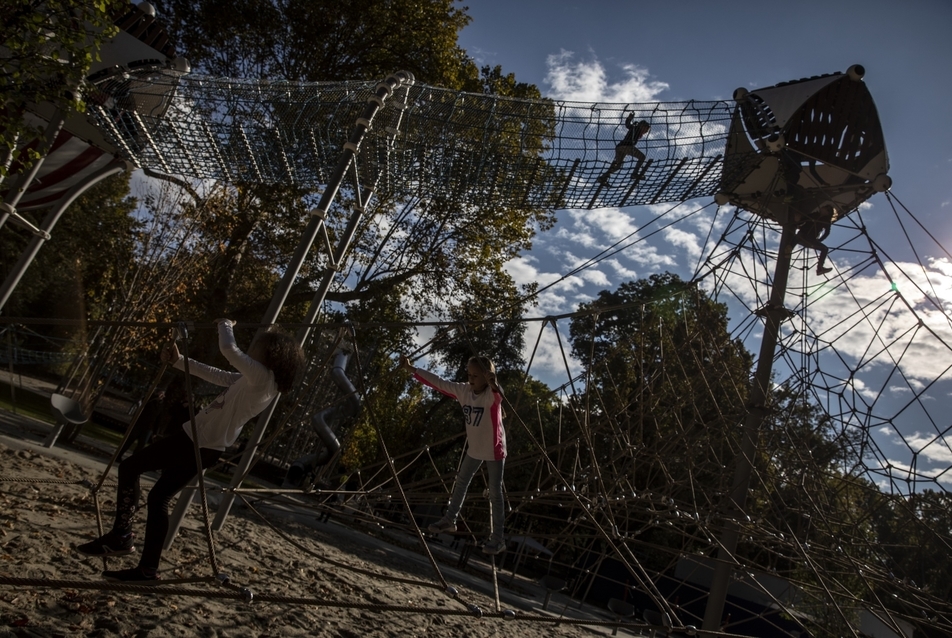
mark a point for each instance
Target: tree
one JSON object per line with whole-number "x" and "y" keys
{"x": 46, "y": 49}
{"x": 432, "y": 256}
{"x": 427, "y": 242}
{"x": 414, "y": 257}
{"x": 662, "y": 372}
{"x": 665, "y": 386}
{"x": 84, "y": 261}
{"x": 320, "y": 40}
{"x": 914, "y": 533}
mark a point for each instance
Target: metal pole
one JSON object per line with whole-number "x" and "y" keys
{"x": 774, "y": 314}
{"x": 51, "y": 219}
{"x": 383, "y": 91}
{"x": 19, "y": 186}
{"x": 6, "y": 157}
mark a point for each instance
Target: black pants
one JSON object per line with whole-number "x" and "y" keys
{"x": 175, "y": 456}
{"x": 139, "y": 437}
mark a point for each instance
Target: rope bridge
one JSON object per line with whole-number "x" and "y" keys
{"x": 473, "y": 148}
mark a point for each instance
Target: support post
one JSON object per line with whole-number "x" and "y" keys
{"x": 774, "y": 314}
{"x": 20, "y": 185}
{"x": 383, "y": 91}
{"x": 51, "y": 219}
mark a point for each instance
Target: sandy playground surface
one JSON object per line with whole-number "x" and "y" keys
{"x": 334, "y": 563}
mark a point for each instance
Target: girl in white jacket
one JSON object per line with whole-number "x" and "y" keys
{"x": 270, "y": 366}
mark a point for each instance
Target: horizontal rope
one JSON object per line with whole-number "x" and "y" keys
{"x": 248, "y": 596}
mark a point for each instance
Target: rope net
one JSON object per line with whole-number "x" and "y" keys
{"x": 618, "y": 479}
{"x": 471, "y": 148}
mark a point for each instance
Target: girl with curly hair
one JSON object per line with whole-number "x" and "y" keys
{"x": 270, "y": 366}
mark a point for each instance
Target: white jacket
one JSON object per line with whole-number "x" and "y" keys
{"x": 482, "y": 414}
{"x": 250, "y": 390}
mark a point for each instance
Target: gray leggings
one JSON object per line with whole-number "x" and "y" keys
{"x": 467, "y": 470}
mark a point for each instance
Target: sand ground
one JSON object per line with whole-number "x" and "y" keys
{"x": 358, "y": 582}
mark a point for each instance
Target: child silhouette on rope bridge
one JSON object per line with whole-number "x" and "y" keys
{"x": 812, "y": 230}
{"x": 481, "y": 399}
{"x": 626, "y": 147}
{"x": 271, "y": 366}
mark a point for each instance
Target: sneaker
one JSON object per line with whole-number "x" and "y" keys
{"x": 135, "y": 575}
{"x": 494, "y": 546}
{"x": 442, "y": 526}
{"x": 109, "y": 544}
{"x": 823, "y": 271}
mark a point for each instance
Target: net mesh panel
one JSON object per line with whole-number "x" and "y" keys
{"x": 627, "y": 492}
{"x": 478, "y": 149}
{"x": 626, "y": 483}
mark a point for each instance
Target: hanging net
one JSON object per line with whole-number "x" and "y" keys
{"x": 478, "y": 149}
{"x": 621, "y": 474}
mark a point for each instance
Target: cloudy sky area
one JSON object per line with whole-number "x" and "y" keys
{"x": 635, "y": 52}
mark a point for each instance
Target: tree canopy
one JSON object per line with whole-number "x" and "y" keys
{"x": 318, "y": 40}
{"x": 46, "y": 49}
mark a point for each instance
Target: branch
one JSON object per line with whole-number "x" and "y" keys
{"x": 181, "y": 183}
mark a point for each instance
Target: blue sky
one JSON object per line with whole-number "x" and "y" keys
{"x": 676, "y": 50}
{"x": 612, "y": 51}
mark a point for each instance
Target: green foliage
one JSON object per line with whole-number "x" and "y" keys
{"x": 412, "y": 258}
{"x": 318, "y": 40}
{"x": 914, "y": 534}
{"x": 501, "y": 339}
{"x": 665, "y": 386}
{"x": 79, "y": 270}
{"x": 803, "y": 476}
{"x": 46, "y": 47}
{"x": 660, "y": 365}
{"x": 203, "y": 251}
{"x": 431, "y": 252}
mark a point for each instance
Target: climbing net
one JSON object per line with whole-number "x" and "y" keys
{"x": 475, "y": 149}
{"x": 617, "y": 478}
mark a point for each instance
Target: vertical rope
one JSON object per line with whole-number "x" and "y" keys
{"x": 183, "y": 330}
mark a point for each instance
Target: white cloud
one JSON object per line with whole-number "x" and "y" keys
{"x": 595, "y": 277}
{"x": 933, "y": 453}
{"x": 689, "y": 242}
{"x": 587, "y": 81}
{"x": 900, "y": 471}
{"x": 600, "y": 229}
{"x": 622, "y": 272}
{"x": 868, "y": 322}
{"x": 552, "y": 299}
{"x": 549, "y": 360}
{"x": 934, "y": 449}
{"x": 578, "y": 236}
{"x": 859, "y": 387}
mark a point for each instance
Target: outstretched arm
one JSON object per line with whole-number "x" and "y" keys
{"x": 170, "y": 354}
{"x": 254, "y": 371}
{"x": 449, "y": 388}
